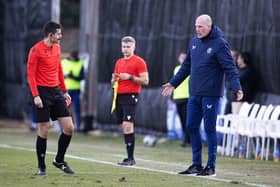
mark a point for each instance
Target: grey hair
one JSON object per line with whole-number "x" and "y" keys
{"x": 128, "y": 39}
{"x": 206, "y": 18}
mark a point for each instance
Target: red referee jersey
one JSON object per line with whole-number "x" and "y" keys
{"x": 44, "y": 67}
{"x": 133, "y": 66}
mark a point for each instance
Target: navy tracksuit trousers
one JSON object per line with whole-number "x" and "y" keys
{"x": 203, "y": 107}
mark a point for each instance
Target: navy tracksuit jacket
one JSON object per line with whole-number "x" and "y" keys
{"x": 208, "y": 61}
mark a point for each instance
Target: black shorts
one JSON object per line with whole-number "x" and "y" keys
{"x": 54, "y": 104}
{"x": 126, "y": 107}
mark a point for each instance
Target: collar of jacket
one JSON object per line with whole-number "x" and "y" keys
{"x": 214, "y": 33}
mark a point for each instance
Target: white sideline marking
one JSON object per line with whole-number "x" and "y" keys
{"x": 182, "y": 165}
{"x": 135, "y": 167}
{"x": 153, "y": 161}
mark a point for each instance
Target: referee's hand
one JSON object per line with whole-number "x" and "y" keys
{"x": 67, "y": 96}
{"x": 38, "y": 102}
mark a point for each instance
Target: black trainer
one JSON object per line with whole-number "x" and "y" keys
{"x": 192, "y": 170}
{"x": 127, "y": 162}
{"x": 63, "y": 166}
{"x": 41, "y": 172}
{"x": 207, "y": 171}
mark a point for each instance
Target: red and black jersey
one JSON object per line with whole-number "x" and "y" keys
{"x": 44, "y": 67}
{"x": 135, "y": 65}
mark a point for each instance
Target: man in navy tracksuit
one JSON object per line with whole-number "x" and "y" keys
{"x": 207, "y": 62}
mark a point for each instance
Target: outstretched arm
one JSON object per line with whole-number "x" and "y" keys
{"x": 167, "y": 89}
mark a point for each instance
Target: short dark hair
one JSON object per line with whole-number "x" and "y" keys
{"x": 50, "y": 27}
{"x": 75, "y": 55}
{"x": 247, "y": 57}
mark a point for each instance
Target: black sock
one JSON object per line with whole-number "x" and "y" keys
{"x": 41, "y": 147}
{"x": 63, "y": 142}
{"x": 130, "y": 142}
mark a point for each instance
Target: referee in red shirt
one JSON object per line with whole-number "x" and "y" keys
{"x": 131, "y": 72}
{"x": 46, "y": 82}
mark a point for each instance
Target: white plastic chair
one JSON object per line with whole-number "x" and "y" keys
{"x": 260, "y": 130}
{"x": 245, "y": 128}
{"x": 228, "y": 125}
{"x": 273, "y": 129}
{"x": 250, "y": 128}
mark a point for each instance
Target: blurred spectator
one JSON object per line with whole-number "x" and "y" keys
{"x": 73, "y": 74}
{"x": 246, "y": 75}
{"x": 180, "y": 97}
{"x": 33, "y": 126}
{"x": 230, "y": 94}
{"x": 234, "y": 53}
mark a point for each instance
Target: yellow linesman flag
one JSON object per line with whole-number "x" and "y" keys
{"x": 115, "y": 87}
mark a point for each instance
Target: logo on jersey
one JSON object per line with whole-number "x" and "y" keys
{"x": 209, "y": 50}
{"x": 193, "y": 47}
{"x": 135, "y": 98}
{"x": 209, "y": 106}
